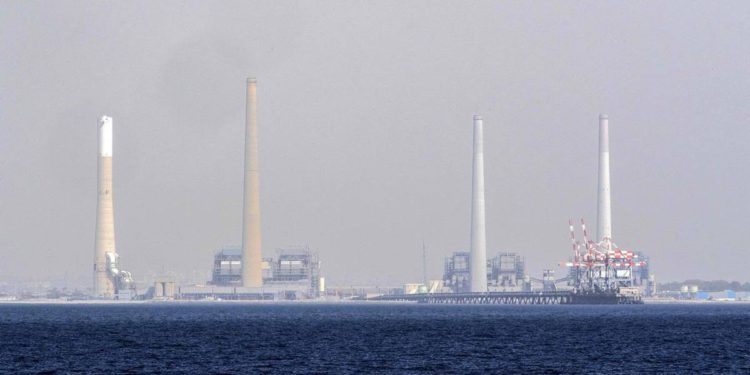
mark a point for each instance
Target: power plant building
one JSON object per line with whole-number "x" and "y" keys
{"x": 293, "y": 274}
{"x": 227, "y": 268}
{"x": 295, "y": 266}
{"x": 507, "y": 272}
{"x": 456, "y": 273}
{"x": 504, "y": 272}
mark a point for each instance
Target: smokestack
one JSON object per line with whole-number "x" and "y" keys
{"x": 252, "y": 275}
{"x": 478, "y": 258}
{"x": 104, "y": 286}
{"x": 604, "y": 210}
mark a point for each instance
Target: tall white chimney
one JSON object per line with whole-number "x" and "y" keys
{"x": 478, "y": 258}
{"x": 604, "y": 210}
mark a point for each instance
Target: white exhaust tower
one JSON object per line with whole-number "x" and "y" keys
{"x": 478, "y": 258}
{"x": 604, "y": 209}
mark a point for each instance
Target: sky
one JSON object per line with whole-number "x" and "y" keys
{"x": 365, "y": 131}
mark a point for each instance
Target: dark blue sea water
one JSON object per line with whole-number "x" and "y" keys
{"x": 369, "y": 338}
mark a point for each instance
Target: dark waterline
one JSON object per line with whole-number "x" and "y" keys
{"x": 373, "y": 338}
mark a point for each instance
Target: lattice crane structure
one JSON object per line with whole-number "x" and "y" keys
{"x": 601, "y": 267}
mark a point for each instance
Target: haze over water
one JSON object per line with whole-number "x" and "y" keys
{"x": 365, "y": 131}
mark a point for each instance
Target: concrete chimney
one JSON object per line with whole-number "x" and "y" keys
{"x": 604, "y": 210}
{"x": 478, "y": 257}
{"x": 252, "y": 273}
{"x": 104, "y": 285}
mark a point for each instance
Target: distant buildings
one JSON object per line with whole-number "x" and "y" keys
{"x": 505, "y": 272}
{"x": 293, "y": 274}
{"x": 227, "y": 270}
{"x": 295, "y": 266}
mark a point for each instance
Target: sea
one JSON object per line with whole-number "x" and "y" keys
{"x": 373, "y": 338}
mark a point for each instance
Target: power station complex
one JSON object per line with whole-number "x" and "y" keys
{"x": 239, "y": 273}
{"x": 598, "y": 270}
{"x": 600, "y": 266}
{"x": 294, "y": 274}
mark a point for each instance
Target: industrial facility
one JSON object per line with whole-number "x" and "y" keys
{"x": 505, "y": 273}
{"x": 227, "y": 270}
{"x": 599, "y": 265}
{"x": 238, "y": 272}
{"x": 242, "y": 272}
{"x": 293, "y": 274}
{"x": 598, "y": 268}
{"x": 110, "y": 281}
{"x": 292, "y": 270}
{"x": 297, "y": 267}
{"x": 599, "y": 271}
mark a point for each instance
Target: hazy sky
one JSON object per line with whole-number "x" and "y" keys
{"x": 365, "y": 115}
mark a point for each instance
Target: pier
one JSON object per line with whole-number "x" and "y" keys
{"x": 514, "y": 298}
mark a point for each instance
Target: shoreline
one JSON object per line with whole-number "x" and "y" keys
{"x": 297, "y": 302}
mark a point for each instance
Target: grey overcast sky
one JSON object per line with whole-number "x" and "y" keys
{"x": 365, "y": 113}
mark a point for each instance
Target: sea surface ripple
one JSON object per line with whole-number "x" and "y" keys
{"x": 348, "y": 338}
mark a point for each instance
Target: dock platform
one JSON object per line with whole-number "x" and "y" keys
{"x": 514, "y": 298}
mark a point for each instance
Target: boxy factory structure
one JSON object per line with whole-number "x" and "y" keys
{"x": 294, "y": 271}
{"x": 505, "y": 273}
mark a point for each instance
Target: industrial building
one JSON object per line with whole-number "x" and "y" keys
{"x": 456, "y": 274}
{"x": 505, "y": 272}
{"x": 161, "y": 290}
{"x": 642, "y": 276}
{"x": 227, "y": 268}
{"x": 296, "y": 266}
{"x": 293, "y": 274}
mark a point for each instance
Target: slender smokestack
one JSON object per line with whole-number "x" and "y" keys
{"x": 252, "y": 274}
{"x": 478, "y": 238}
{"x": 604, "y": 211}
{"x": 104, "y": 286}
